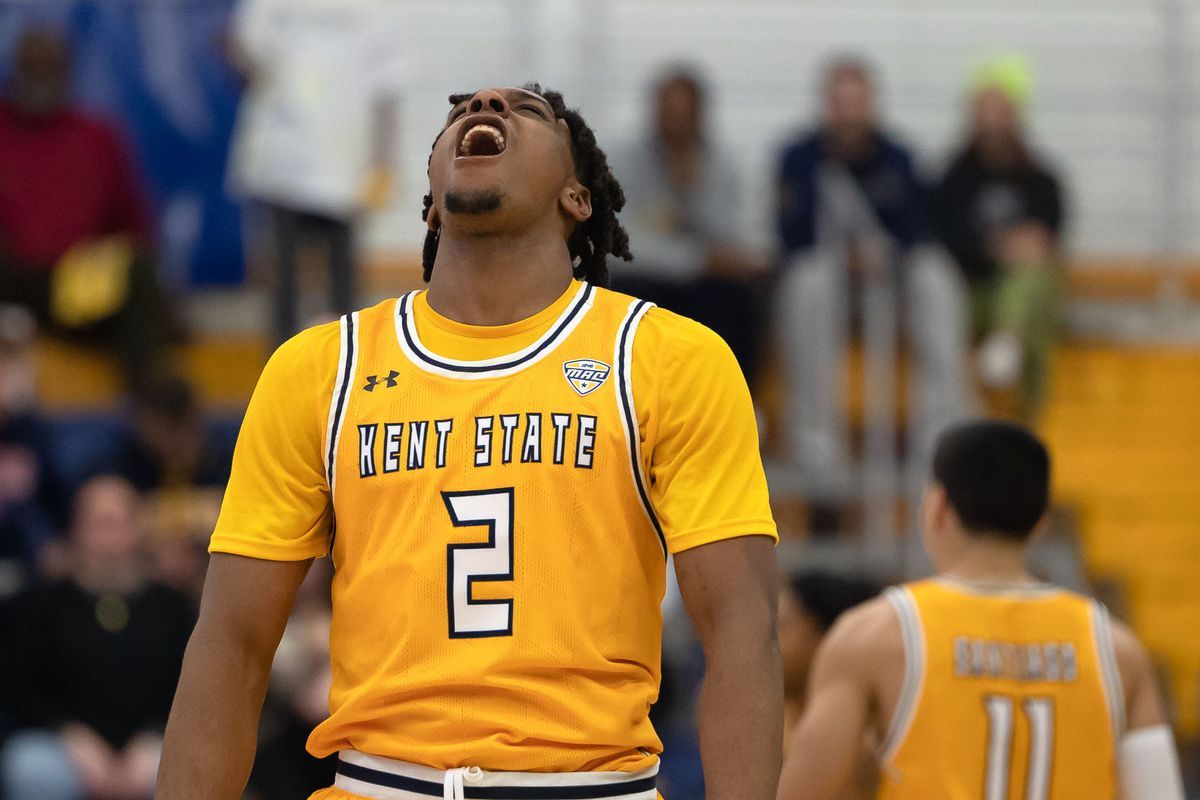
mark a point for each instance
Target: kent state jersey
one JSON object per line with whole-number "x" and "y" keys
{"x": 499, "y": 504}
{"x": 1009, "y": 694}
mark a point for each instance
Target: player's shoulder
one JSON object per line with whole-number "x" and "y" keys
{"x": 310, "y": 344}
{"x": 866, "y": 638}
{"x": 1133, "y": 659}
{"x": 665, "y": 333}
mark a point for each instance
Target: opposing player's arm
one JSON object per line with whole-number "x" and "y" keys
{"x": 1147, "y": 764}
{"x": 828, "y": 740}
{"x": 710, "y": 496}
{"x": 730, "y": 593}
{"x": 211, "y": 734}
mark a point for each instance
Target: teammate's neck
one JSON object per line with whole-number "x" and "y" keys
{"x": 990, "y": 559}
{"x": 497, "y": 280}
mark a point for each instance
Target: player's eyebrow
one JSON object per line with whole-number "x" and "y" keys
{"x": 526, "y": 93}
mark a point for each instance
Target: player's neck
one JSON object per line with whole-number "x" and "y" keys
{"x": 991, "y": 560}
{"x": 497, "y": 280}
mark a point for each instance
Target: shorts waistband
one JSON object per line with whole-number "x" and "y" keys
{"x": 381, "y": 778}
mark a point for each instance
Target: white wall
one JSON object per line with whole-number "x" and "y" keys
{"x": 1105, "y": 100}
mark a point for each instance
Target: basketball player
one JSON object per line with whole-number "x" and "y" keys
{"x": 983, "y": 683}
{"x": 498, "y": 467}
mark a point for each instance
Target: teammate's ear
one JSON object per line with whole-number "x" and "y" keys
{"x": 576, "y": 202}
{"x": 432, "y": 220}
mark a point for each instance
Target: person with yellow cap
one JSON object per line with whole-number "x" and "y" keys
{"x": 999, "y": 210}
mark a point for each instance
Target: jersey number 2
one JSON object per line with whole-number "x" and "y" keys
{"x": 1039, "y": 712}
{"x": 467, "y": 564}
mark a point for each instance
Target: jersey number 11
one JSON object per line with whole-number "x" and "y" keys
{"x": 1039, "y": 712}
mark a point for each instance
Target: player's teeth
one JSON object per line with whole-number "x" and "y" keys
{"x": 481, "y": 130}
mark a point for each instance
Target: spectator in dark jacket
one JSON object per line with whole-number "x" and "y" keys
{"x": 850, "y": 225}
{"x": 169, "y": 446}
{"x": 90, "y": 663}
{"x": 1000, "y": 212}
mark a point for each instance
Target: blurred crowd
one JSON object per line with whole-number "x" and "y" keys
{"x": 101, "y": 558}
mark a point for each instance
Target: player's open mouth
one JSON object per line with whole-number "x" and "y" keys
{"x": 482, "y": 139}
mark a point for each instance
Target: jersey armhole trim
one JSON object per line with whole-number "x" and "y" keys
{"x": 339, "y": 400}
{"x": 1110, "y": 673}
{"x": 623, "y": 358}
{"x": 914, "y": 671}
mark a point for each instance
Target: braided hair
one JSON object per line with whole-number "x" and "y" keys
{"x": 593, "y": 239}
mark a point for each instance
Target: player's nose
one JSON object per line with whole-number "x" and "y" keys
{"x": 488, "y": 100}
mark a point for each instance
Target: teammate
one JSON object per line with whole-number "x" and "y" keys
{"x": 498, "y": 467}
{"x": 982, "y": 683}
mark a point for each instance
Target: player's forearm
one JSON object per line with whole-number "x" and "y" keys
{"x": 213, "y": 729}
{"x": 741, "y": 718}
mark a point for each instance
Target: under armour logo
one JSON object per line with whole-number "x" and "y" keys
{"x": 389, "y": 380}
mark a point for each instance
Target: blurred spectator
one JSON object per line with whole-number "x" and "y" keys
{"x": 682, "y": 213}
{"x": 92, "y": 662}
{"x": 169, "y": 446}
{"x": 850, "y": 225}
{"x": 30, "y": 499}
{"x": 809, "y": 605}
{"x": 315, "y": 135}
{"x": 298, "y": 698}
{"x": 73, "y": 226}
{"x": 1000, "y": 212}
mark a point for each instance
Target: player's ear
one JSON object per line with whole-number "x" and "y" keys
{"x": 936, "y": 507}
{"x": 432, "y": 220}
{"x": 576, "y": 201}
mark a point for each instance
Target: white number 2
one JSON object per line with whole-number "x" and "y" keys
{"x": 467, "y": 564}
{"x": 1039, "y": 711}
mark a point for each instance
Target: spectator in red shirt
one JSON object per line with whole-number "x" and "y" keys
{"x": 68, "y": 193}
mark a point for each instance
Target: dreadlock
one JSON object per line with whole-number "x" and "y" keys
{"x": 593, "y": 239}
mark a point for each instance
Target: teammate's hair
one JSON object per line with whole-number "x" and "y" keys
{"x": 996, "y": 475}
{"x": 596, "y": 237}
{"x": 827, "y": 596}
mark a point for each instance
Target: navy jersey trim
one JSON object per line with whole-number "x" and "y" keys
{"x": 578, "y": 306}
{"x": 342, "y": 391}
{"x": 431, "y": 789}
{"x": 624, "y": 392}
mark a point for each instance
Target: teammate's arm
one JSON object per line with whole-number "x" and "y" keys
{"x": 729, "y": 590}
{"x": 828, "y": 740}
{"x": 213, "y": 728}
{"x": 1147, "y": 764}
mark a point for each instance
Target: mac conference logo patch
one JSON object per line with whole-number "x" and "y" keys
{"x": 586, "y": 375}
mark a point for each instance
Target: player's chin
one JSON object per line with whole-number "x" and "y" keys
{"x": 473, "y": 199}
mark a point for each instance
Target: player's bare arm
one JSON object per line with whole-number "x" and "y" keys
{"x": 1147, "y": 766}
{"x": 852, "y": 690}
{"x": 730, "y": 592}
{"x": 213, "y": 728}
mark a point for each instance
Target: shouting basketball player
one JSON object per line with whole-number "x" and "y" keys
{"x": 983, "y": 683}
{"x": 498, "y": 467}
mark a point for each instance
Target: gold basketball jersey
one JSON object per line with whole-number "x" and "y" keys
{"x": 500, "y": 525}
{"x": 1009, "y": 694}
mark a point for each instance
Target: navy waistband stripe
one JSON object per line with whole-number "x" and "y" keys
{"x": 417, "y": 786}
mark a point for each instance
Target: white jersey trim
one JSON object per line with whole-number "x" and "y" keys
{"x": 627, "y": 410}
{"x": 914, "y": 670}
{"x": 1106, "y": 656}
{"x": 500, "y": 366}
{"x": 340, "y": 399}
